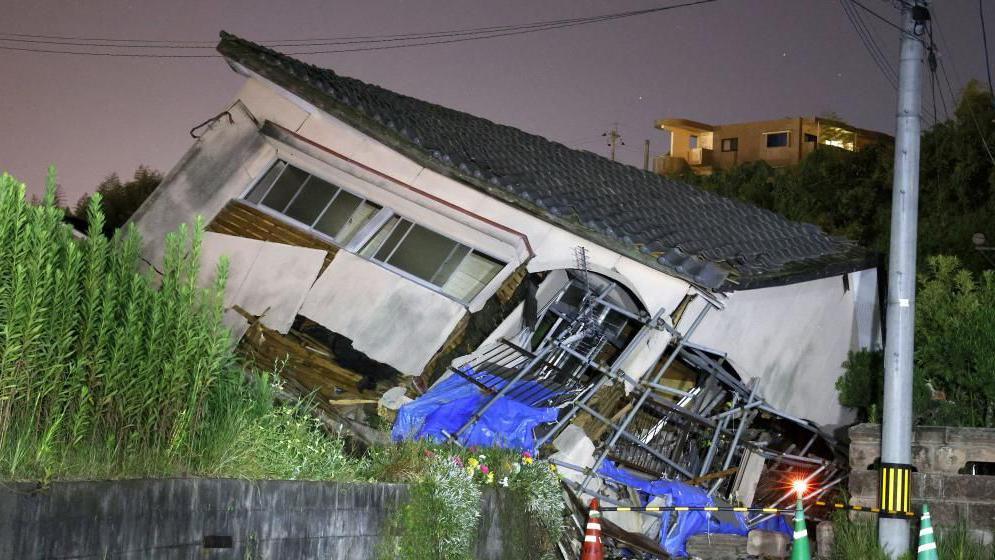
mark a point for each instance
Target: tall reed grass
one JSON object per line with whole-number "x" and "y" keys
{"x": 107, "y": 370}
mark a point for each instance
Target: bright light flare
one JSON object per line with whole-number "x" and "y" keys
{"x": 799, "y": 486}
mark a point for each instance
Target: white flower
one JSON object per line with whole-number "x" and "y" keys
{"x": 504, "y": 482}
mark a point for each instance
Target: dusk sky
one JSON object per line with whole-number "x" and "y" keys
{"x": 727, "y": 61}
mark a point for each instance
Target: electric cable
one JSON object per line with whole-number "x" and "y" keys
{"x": 884, "y": 66}
{"x": 984, "y": 39}
{"x": 404, "y": 40}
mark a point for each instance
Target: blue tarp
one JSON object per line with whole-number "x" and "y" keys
{"x": 452, "y": 401}
{"x": 687, "y": 523}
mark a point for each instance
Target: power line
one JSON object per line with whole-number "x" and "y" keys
{"x": 953, "y": 96}
{"x": 345, "y": 40}
{"x": 867, "y": 37}
{"x": 403, "y": 40}
{"x": 880, "y": 60}
{"x": 984, "y": 38}
{"x": 879, "y": 16}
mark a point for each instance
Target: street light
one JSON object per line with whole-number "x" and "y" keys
{"x": 979, "y": 240}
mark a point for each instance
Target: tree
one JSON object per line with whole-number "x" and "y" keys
{"x": 121, "y": 200}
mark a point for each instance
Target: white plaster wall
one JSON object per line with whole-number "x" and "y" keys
{"x": 216, "y": 168}
{"x": 795, "y": 339}
{"x": 389, "y": 318}
{"x": 266, "y": 279}
{"x": 267, "y": 104}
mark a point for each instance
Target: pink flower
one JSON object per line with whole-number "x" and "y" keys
{"x": 484, "y": 469}
{"x": 526, "y": 455}
{"x": 458, "y": 460}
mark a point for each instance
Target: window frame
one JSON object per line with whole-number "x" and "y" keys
{"x": 733, "y": 143}
{"x": 787, "y": 136}
{"x": 427, "y": 283}
{"x": 368, "y": 230}
{"x": 310, "y": 228}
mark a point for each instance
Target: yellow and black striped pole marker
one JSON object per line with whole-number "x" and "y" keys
{"x": 927, "y": 544}
{"x": 895, "y": 489}
{"x": 800, "y": 549}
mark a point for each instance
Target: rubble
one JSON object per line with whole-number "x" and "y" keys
{"x": 691, "y": 421}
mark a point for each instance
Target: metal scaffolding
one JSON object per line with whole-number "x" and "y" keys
{"x": 690, "y": 418}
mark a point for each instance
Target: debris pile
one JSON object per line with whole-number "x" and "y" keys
{"x": 689, "y": 432}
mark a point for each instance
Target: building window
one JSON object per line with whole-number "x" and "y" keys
{"x": 730, "y": 144}
{"x": 693, "y": 142}
{"x": 810, "y": 137}
{"x": 312, "y": 201}
{"x": 454, "y": 268}
{"x": 777, "y": 139}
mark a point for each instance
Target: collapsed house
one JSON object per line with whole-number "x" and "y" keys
{"x": 377, "y": 240}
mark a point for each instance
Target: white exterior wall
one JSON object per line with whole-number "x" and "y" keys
{"x": 389, "y": 318}
{"x": 795, "y": 339}
{"x": 266, "y": 279}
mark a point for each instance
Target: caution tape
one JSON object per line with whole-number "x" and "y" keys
{"x": 751, "y": 510}
{"x": 846, "y": 507}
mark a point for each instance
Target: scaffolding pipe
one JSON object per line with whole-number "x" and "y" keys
{"x": 721, "y": 427}
{"x": 735, "y": 439}
{"x": 611, "y": 372}
{"x": 645, "y": 394}
{"x": 476, "y": 415}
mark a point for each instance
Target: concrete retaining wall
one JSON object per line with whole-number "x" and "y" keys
{"x": 179, "y": 519}
{"x": 939, "y": 454}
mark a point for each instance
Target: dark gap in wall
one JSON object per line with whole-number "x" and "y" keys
{"x": 218, "y": 541}
{"x": 346, "y": 356}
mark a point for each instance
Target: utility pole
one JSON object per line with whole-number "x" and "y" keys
{"x": 614, "y": 139}
{"x": 646, "y": 156}
{"x": 896, "y": 425}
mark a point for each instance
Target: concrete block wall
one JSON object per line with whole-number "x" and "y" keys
{"x": 172, "y": 519}
{"x": 939, "y": 453}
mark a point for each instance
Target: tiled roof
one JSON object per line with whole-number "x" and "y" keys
{"x": 710, "y": 240}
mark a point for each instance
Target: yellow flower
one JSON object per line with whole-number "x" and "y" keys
{"x": 552, "y": 467}
{"x": 472, "y": 462}
{"x": 490, "y": 478}
{"x": 528, "y": 460}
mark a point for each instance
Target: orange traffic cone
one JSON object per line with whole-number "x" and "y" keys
{"x": 593, "y": 549}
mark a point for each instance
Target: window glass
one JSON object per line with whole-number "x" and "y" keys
{"x": 453, "y": 267}
{"x": 810, "y": 137}
{"x": 314, "y": 202}
{"x": 450, "y": 265}
{"x": 358, "y": 219}
{"x": 422, "y": 252}
{"x": 338, "y": 213}
{"x": 473, "y": 273}
{"x": 285, "y": 188}
{"x": 400, "y": 231}
{"x": 374, "y": 243}
{"x": 777, "y": 140}
{"x": 730, "y": 144}
{"x": 311, "y": 200}
{"x": 693, "y": 142}
{"x": 257, "y": 192}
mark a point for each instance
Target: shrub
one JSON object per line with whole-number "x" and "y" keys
{"x": 440, "y": 519}
{"x": 954, "y": 367}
